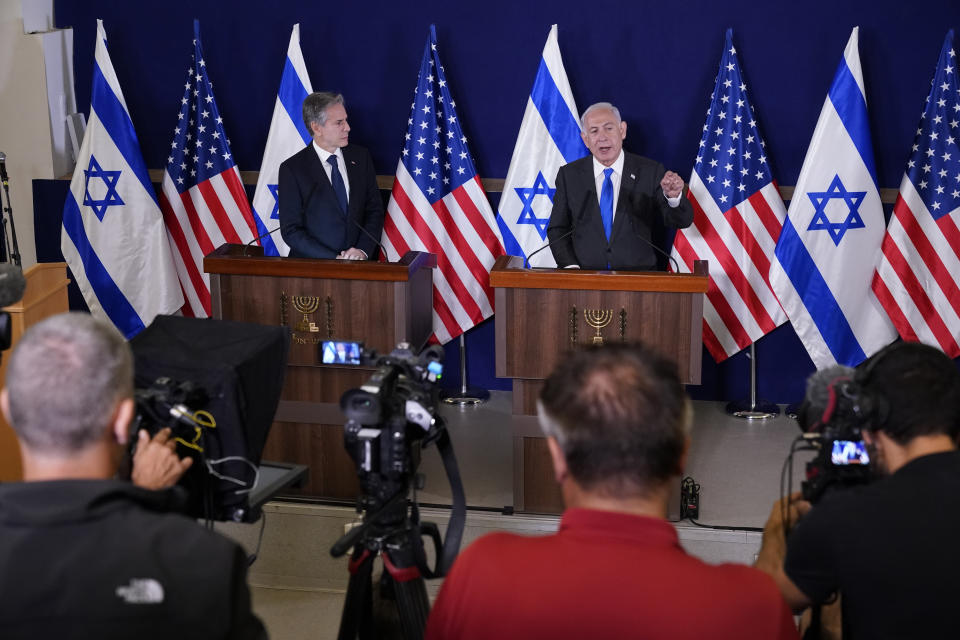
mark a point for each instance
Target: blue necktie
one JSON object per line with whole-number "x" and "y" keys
{"x": 337, "y": 181}
{"x": 606, "y": 202}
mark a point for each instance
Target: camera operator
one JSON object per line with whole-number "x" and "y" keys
{"x": 85, "y": 555}
{"x": 617, "y": 422}
{"x": 889, "y": 547}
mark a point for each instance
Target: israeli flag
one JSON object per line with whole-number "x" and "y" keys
{"x": 113, "y": 235}
{"x": 830, "y": 241}
{"x": 287, "y": 136}
{"x": 549, "y": 138}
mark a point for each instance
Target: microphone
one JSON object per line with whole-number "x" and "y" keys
{"x": 258, "y": 239}
{"x": 673, "y": 261}
{"x": 368, "y": 234}
{"x": 3, "y": 169}
{"x": 820, "y": 402}
{"x": 566, "y": 235}
{"x": 303, "y": 210}
{"x": 12, "y": 284}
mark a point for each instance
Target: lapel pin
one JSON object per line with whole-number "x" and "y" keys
{"x": 633, "y": 177}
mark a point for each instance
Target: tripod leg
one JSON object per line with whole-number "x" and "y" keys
{"x": 410, "y": 590}
{"x": 358, "y": 605}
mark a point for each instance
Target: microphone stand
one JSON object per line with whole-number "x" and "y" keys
{"x": 4, "y": 244}
{"x": 753, "y": 409}
{"x": 467, "y": 396}
{"x": 15, "y": 254}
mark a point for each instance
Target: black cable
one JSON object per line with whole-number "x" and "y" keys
{"x": 256, "y": 552}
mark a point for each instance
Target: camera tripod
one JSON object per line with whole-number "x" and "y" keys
{"x": 395, "y": 537}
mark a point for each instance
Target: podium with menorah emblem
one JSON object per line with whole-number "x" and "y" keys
{"x": 542, "y": 314}
{"x": 379, "y": 304}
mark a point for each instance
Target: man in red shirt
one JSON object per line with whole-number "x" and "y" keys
{"x": 617, "y": 422}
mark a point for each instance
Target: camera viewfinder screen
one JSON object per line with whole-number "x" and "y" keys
{"x": 340, "y": 352}
{"x": 847, "y": 452}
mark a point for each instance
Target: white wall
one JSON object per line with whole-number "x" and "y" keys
{"x": 24, "y": 119}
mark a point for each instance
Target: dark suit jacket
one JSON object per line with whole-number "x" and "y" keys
{"x": 640, "y": 205}
{"x": 311, "y": 220}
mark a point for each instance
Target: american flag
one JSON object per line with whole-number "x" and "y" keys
{"x": 438, "y": 205}
{"x": 918, "y": 276}
{"x": 203, "y": 201}
{"x": 738, "y": 214}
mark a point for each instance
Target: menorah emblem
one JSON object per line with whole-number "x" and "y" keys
{"x": 306, "y": 305}
{"x": 598, "y": 319}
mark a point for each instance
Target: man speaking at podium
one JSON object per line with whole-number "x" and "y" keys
{"x": 606, "y": 204}
{"x": 330, "y": 206}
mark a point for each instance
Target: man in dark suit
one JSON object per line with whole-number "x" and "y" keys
{"x": 606, "y": 204}
{"x": 328, "y": 191}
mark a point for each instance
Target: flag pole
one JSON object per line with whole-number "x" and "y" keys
{"x": 753, "y": 409}
{"x": 467, "y": 395}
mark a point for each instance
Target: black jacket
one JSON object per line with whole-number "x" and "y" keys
{"x": 311, "y": 220}
{"x": 101, "y": 559}
{"x": 640, "y": 205}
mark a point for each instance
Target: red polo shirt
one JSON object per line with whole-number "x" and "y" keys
{"x": 603, "y": 575}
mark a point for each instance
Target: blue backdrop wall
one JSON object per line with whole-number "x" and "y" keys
{"x": 657, "y": 61}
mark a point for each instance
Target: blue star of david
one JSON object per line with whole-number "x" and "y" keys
{"x": 820, "y": 220}
{"x": 275, "y": 214}
{"x": 527, "y": 194}
{"x": 109, "y": 178}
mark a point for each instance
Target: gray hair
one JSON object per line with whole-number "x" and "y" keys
{"x": 315, "y": 107}
{"x": 64, "y": 380}
{"x": 595, "y": 107}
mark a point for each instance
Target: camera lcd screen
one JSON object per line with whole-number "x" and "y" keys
{"x": 849, "y": 452}
{"x": 340, "y": 352}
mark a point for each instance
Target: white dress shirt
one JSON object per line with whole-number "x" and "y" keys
{"x": 615, "y": 177}
{"x": 324, "y": 154}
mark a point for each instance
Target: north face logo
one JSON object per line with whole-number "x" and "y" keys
{"x": 141, "y": 591}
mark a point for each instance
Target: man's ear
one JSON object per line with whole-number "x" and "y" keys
{"x": 623, "y": 130}
{"x": 5, "y": 405}
{"x": 120, "y": 421}
{"x": 560, "y": 470}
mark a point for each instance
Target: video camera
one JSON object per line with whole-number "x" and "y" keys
{"x": 832, "y": 416}
{"x": 389, "y": 419}
{"x": 388, "y": 416}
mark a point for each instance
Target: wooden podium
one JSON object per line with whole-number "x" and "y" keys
{"x": 45, "y": 295}
{"x": 379, "y": 304}
{"x": 542, "y": 314}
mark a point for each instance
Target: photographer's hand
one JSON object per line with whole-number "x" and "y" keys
{"x": 155, "y": 462}
{"x": 773, "y": 550}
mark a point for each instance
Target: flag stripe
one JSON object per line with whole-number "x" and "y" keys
{"x": 928, "y": 253}
{"x": 187, "y": 269}
{"x": 889, "y": 303}
{"x": 241, "y": 213}
{"x": 111, "y": 298}
{"x": 292, "y": 94}
{"x": 450, "y": 325}
{"x": 216, "y": 209}
{"x": 728, "y": 265}
{"x": 203, "y": 242}
{"x": 117, "y": 122}
{"x": 914, "y": 289}
{"x": 561, "y": 124}
{"x": 851, "y": 106}
{"x": 771, "y": 222}
{"x": 813, "y": 290}
{"x": 428, "y": 240}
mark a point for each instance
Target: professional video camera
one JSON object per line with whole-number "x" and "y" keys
{"x": 832, "y": 416}
{"x": 389, "y": 419}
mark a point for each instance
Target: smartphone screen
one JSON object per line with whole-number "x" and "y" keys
{"x": 341, "y": 352}
{"x": 849, "y": 452}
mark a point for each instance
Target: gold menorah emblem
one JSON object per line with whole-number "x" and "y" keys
{"x": 306, "y": 305}
{"x": 598, "y": 319}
